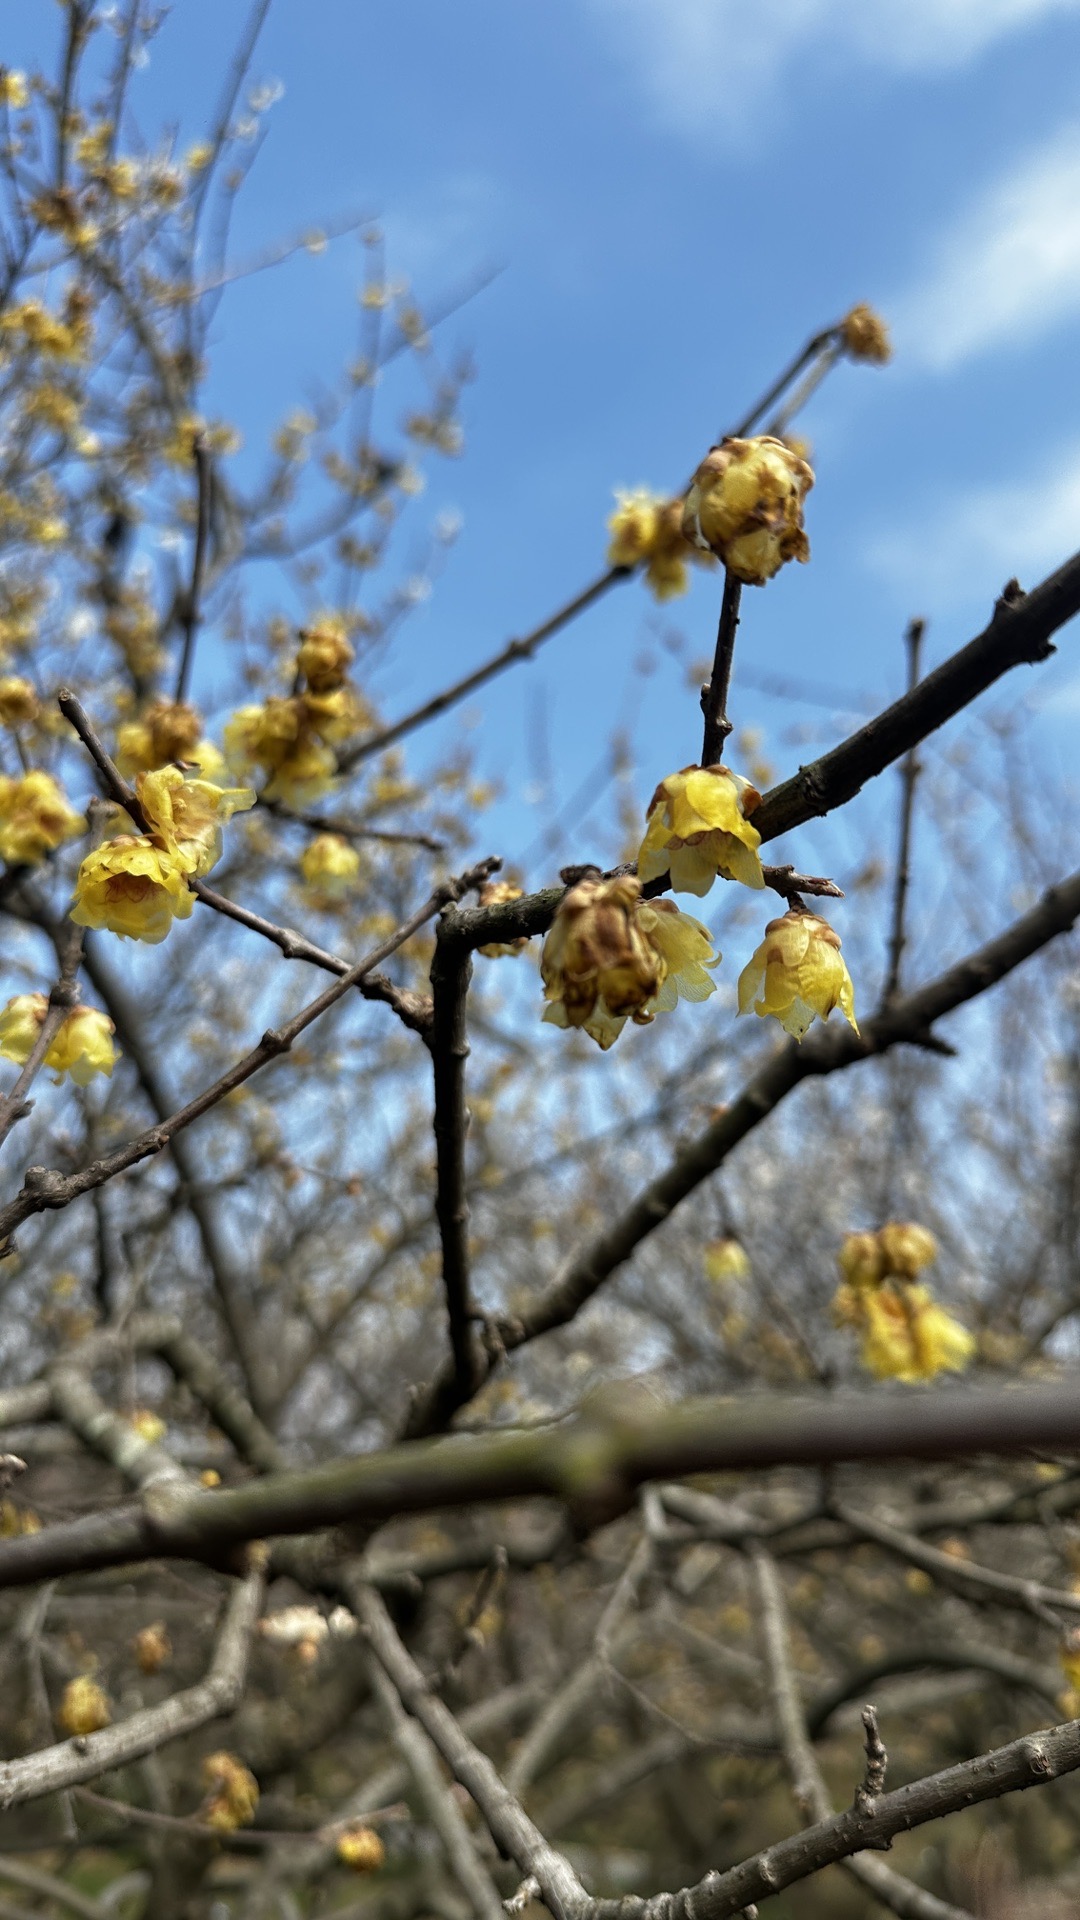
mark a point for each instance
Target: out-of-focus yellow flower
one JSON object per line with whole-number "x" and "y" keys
{"x": 334, "y": 715}
{"x": 686, "y": 948}
{"x": 304, "y": 775}
{"x": 325, "y": 656}
{"x": 361, "y": 1849}
{"x": 82, "y": 1047}
{"x": 152, "y": 1647}
{"x": 209, "y": 1477}
{"x": 14, "y": 92}
{"x": 698, "y": 827}
{"x": 35, "y": 818}
{"x": 865, "y": 335}
{"x": 18, "y": 701}
{"x": 168, "y": 730}
{"x": 726, "y": 1260}
{"x": 797, "y": 974}
{"x": 330, "y": 865}
{"x": 1069, "y": 1655}
{"x": 745, "y": 504}
{"x": 860, "y": 1259}
{"x": 16, "y": 1520}
{"x": 905, "y": 1334}
{"x": 598, "y": 969}
{"x": 906, "y": 1248}
{"x": 30, "y": 324}
{"x": 84, "y": 1707}
{"x": 647, "y": 529}
{"x": 235, "y": 1794}
{"x": 133, "y": 888}
{"x": 275, "y": 737}
{"x": 187, "y": 815}
{"x": 198, "y": 156}
{"x": 147, "y": 1424}
{"x": 496, "y": 893}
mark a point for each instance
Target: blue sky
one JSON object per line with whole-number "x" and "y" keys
{"x": 676, "y": 193}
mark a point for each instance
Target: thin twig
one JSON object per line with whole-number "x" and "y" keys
{"x": 910, "y": 768}
{"x": 190, "y": 614}
{"x": 715, "y": 692}
{"x": 814, "y": 346}
{"x": 451, "y": 971}
{"x": 1011, "y": 1588}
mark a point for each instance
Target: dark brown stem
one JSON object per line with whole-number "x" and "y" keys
{"x": 190, "y": 610}
{"x": 813, "y": 347}
{"x": 714, "y": 694}
{"x": 451, "y": 972}
{"x": 910, "y": 768}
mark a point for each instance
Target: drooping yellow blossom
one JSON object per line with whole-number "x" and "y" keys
{"x": 35, "y": 818}
{"x": 906, "y": 1248}
{"x": 905, "y": 1334}
{"x": 152, "y": 1647}
{"x": 330, "y": 865}
{"x": 698, "y": 827}
{"x": 14, "y": 92}
{"x": 18, "y": 701}
{"x": 647, "y": 528}
{"x": 496, "y": 893}
{"x": 598, "y": 969}
{"x": 865, "y": 335}
{"x": 187, "y": 816}
{"x": 235, "y": 1794}
{"x": 82, "y": 1047}
{"x": 745, "y": 504}
{"x": 132, "y": 888}
{"x": 361, "y": 1849}
{"x": 325, "y": 656}
{"x": 276, "y": 737}
{"x": 797, "y": 974}
{"x": 84, "y": 1707}
{"x": 686, "y": 948}
{"x": 168, "y": 730}
{"x": 726, "y": 1260}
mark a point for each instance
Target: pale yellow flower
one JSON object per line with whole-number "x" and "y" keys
{"x": 905, "y": 1334}
{"x": 745, "y": 505}
{"x": 361, "y": 1849}
{"x": 152, "y": 1647}
{"x": 84, "y": 1707}
{"x": 168, "y": 730}
{"x": 906, "y": 1248}
{"x": 860, "y": 1259}
{"x": 686, "y": 948}
{"x": 865, "y": 335}
{"x": 334, "y": 714}
{"x": 14, "y": 92}
{"x": 235, "y": 1793}
{"x": 797, "y": 974}
{"x": 325, "y": 656}
{"x": 82, "y": 1046}
{"x": 330, "y": 865}
{"x": 18, "y": 701}
{"x": 726, "y": 1260}
{"x": 697, "y": 827}
{"x": 646, "y": 529}
{"x": 35, "y": 818}
{"x": 276, "y": 737}
{"x": 304, "y": 775}
{"x": 495, "y": 893}
{"x": 147, "y": 1424}
{"x": 598, "y": 969}
{"x": 187, "y": 816}
{"x": 133, "y": 888}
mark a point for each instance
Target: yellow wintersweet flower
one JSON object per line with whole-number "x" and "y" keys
{"x": 84, "y": 1707}
{"x": 82, "y": 1047}
{"x": 598, "y": 969}
{"x": 860, "y": 1259}
{"x": 14, "y": 92}
{"x": 797, "y": 974}
{"x": 495, "y": 893}
{"x": 745, "y": 505}
{"x": 35, "y": 818}
{"x": 147, "y": 1424}
{"x": 187, "y": 816}
{"x": 686, "y": 949}
{"x": 275, "y": 737}
{"x": 647, "y": 528}
{"x": 325, "y": 656}
{"x": 334, "y": 714}
{"x": 18, "y": 701}
{"x": 697, "y": 827}
{"x": 361, "y": 1849}
{"x": 198, "y": 156}
{"x": 330, "y": 865}
{"x": 168, "y": 730}
{"x": 726, "y": 1260}
{"x": 906, "y": 1248}
{"x": 152, "y": 1647}
{"x": 235, "y": 1793}
{"x": 304, "y": 775}
{"x": 1069, "y": 1656}
{"x": 905, "y": 1334}
{"x": 133, "y": 888}
{"x": 865, "y": 335}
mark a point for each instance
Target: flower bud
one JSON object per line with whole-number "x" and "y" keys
{"x": 361, "y": 1849}
{"x": 152, "y": 1647}
{"x": 906, "y": 1248}
{"x": 84, "y": 1707}
{"x": 596, "y": 964}
{"x": 324, "y": 658}
{"x": 865, "y": 336}
{"x": 745, "y": 505}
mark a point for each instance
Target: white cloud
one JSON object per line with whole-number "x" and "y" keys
{"x": 1008, "y": 270}
{"x": 708, "y": 63}
{"x": 966, "y": 545}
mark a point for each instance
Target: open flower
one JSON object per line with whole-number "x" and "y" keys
{"x": 865, "y": 335}
{"x": 685, "y": 947}
{"x": 133, "y": 888}
{"x": 697, "y": 827}
{"x": 330, "y": 865}
{"x": 597, "y": 967}
{"x": 797, "y": 974}
{"x": 904, "y": 1333}
{"x": 187, "y": 816}
{"x": 82, "y": 1047}
{"x": 35, "y": 818}
{"x": 647, "y": 529}
{"x": 325, "y": 657}
{"x": 168, "y": 730}
{"x": 18, "y": 701}
{"x": 906, "y": 1248}
{"x": 279, "y": 738}
{"x": 235, "y": 1792}
{"x": 745, "y": 505}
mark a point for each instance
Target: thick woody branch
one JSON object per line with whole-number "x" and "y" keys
{"x": 451, "y": 972}
{"x": 71, "y": 1762}
{"x": 141, "y": 1462}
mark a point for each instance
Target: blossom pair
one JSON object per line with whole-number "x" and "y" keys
{"x": 611, "y": 956}
{"x": 904, "y": 1333}
{"x": 82, "y": 1046}
{"x": 136, "y": 885}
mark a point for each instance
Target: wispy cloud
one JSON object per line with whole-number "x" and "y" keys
{"x": 1008, "y": 270}
{"x": 708, "y": 63}
{"x": 966, "y": 544}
